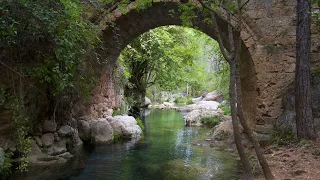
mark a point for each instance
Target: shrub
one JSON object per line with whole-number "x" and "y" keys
{"x": 226, "y": 109}
{"x": 211, "y": 121}
{"x": 5, "y": 169}
{"x": 282, "y": 135}
{"x": 184, "y": 100}
{"x": 140, "y": 123}
{"x": 116, "y": 137}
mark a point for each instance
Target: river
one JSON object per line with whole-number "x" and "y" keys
{"x": 166, "y": 151}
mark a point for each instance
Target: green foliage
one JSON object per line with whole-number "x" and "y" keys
{"x": 140, "y": 123}
{"x": 116, "y": 137}
{"x": 282, "y": 136}
{"x": 184, "y": 100}
{"x": 21, "y": 132}
{"x": 53, "y": 37}
{"x": 211, "y": 121}
{"x": 226, "y": 109}
{"x": 6, "y": 168}
{"x": 44, "y": 150}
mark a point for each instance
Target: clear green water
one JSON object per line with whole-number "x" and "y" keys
{"x": 165, "y": 152}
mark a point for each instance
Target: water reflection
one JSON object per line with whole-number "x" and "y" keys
{"x": 165, "y": 152}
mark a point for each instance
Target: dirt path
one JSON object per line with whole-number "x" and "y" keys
{"x": 295, "y": 162}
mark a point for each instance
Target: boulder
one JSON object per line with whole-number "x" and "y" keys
{"x": 204, "y": 105}
{"x": 38, "y": 141}
{"x": 213, "y": 96}
{"x": 66, "y": 131}
{"x": 58, "y": 147}
{"x": 130, "y": 127}
{"x": 101, "y": 131}
{"x": 193, "y": 118}
{"x": 47, "y": 139}
{"x": 65, "y": 155}
{"x": 49, "y": 126}
{"x": 196, "y": 100}
{"x": 147, "y": 101}
{"x": 84, "y": 130}
{"x": 126, "y": 126}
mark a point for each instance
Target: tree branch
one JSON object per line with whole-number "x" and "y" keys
{"x": 213, "y": 11}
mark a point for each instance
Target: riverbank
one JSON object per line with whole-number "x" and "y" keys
{"x": 296, "y": 161}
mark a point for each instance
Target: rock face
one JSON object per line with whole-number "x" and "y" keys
{"x": 101, "y": 131}
{"x": 126, "y": 126}
{"x": 57, "y": 148}
{"x": 47, "y": 139}
{"x": 213, "y": 96}
{"x": 66, "y": 131}
{"x": 84, "y": 130}
{"x": 1, "y": 157}
{"x": 49, "y": 127}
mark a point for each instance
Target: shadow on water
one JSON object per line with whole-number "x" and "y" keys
{"x": 166, "y": 151}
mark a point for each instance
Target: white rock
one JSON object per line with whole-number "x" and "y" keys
{"x": 101, "y": 131}
{"x": 128, "y": 126}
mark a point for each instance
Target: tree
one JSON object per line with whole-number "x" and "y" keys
{"x": 304, "y": 118}
{"x": 157, "y": 57}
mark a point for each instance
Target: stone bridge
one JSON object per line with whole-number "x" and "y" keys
{"x": 267, "y": 57}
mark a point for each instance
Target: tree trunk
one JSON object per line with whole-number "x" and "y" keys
{"x": 264, "y": 164}
{"x": 304, "y": 119}
{"x": 235, "y": 123}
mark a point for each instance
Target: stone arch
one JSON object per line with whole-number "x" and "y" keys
{"x": 126, "y": 27}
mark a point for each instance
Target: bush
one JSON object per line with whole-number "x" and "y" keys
{"x": 140, "y": 123}
{"x": 282, "y": 135}
{"x": 211, "y": 121}
{"x": 5, "y": 170}
{"x": 184, "y": 100}
{"x": 226, "y": 109}
{"x": 116, "y": 137}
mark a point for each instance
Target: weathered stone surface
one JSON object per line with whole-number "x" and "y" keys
{"x": 101, "y": 131}
{"x": 65, "y": 131}
{"x": 213, "y": 96}
{"x": 193, "y": 117}
{"x": 1, "y": 157}
{"x": 47, "y": 139}
{"x": 49, "y": 126}
{"x": 84, "y": 130}
{"x": 264, "y": 129}
{"x": 66, "y": 155}
{"x": 58, "y": 147}
{"x": 147, "y": 101}
{"x": 205, "y": 105}
{"x": 38, "y": 141}
{"x": 126, "y": 126}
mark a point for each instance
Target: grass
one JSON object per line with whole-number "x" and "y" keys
{"x": 184, "y": 100}
{"x": 226, "y": 109}
{"x": 116, "y": 137}
{"x": 211, "y": 121}
{"x": 140, "y": 123}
